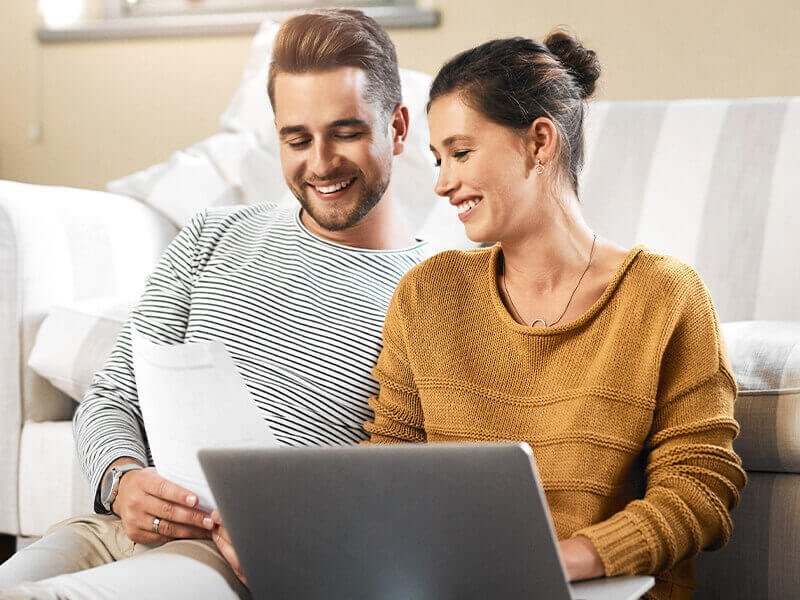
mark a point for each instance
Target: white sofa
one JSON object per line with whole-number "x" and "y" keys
{"x": 713, "y": 182}
{"x": 57, "y": 245}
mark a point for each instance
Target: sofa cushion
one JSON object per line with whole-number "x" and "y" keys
{"x": 52, "y": 486}
{"x": 760, "y": 561}
{"x": 74, "y": 341}
{"x": 766, "y": 362}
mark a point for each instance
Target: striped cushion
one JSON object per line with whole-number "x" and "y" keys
{"x": 766, "y": 361}
{"x": 712, "y": 182}
{"x": 74, "y": 341}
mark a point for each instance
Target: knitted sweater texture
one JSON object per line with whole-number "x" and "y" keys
{"x": 628, "y": 409}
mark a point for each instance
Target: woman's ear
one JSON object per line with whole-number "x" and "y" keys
{"x": 398, "y": 128}
{"x": 542, "y": 141}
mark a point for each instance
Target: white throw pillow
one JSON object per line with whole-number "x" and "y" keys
{"x": 241, "y": 164}
{"x": 74, "y": 342}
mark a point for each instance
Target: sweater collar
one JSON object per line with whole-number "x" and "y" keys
{"x": 508, "y": 320}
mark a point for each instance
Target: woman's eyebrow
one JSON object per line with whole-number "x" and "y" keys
{"x": 456, "y": 138}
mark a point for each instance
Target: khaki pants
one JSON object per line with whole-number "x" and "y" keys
{"x": 90, "y": 557}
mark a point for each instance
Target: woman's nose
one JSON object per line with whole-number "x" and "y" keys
{"x": 444, "y": 184}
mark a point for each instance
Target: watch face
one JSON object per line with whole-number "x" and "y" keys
{"x": 105, "y": 490}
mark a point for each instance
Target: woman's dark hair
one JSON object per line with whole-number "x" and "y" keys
{"x": 515, "y": 81}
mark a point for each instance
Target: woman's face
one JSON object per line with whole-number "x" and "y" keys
{"x": 485, "y": 170}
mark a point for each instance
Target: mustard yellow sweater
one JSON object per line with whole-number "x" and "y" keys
{"x": 628, "y": 409}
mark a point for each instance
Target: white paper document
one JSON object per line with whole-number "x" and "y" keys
{"x": 192, "y": 397}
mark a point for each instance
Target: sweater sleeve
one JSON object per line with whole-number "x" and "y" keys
{"x": 108, "y": 423}
{"x": 397, "y": 410}
{"x": 693, "y": 476}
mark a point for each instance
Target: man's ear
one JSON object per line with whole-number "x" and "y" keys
{"x": 398, "y": 128}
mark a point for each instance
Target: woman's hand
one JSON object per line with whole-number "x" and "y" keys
{"x": 581, "y": 559}
{"x": 223, "y": 542}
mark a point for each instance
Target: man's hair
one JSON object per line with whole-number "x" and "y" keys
{"x": 326, "y": 39}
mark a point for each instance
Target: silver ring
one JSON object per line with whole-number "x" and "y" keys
{"x": 156, "y": 523}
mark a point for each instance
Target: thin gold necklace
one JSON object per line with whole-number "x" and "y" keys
{"x": 517, "y": 314}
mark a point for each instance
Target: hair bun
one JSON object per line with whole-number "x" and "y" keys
{"x": 582, "y": 63}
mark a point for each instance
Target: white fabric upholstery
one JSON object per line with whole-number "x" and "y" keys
{"x": 10, "y": 383}
{"x": 75, "y": 340}
{"x": 51, "y": 483}
{"x": 72, "y": 245}
{"x": 761, "y": 558}
{"x": 766, "y": 360}
{"x": 712, "y": 182}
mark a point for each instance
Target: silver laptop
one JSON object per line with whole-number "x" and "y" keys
{"x": 405, "y": 522}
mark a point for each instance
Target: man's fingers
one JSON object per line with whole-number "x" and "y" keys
{"x": 176, "y": 513}
{"x": 216, "y": 517}
{"x": 227, "y": 551}
{"x": 165, "y": 489}
{"x": 148, "y": 537}
{"x": 177, "y": 531}
{"x": 226, "y": 548}
{"x": 172, "y": 530}
{"x": 223, "y": 533}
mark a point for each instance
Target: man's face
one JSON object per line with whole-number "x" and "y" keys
{"x": 336, "y": 148}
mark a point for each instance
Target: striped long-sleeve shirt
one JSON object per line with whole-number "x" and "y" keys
{"x": 301, "y": 317}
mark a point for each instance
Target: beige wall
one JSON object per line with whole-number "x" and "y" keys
{"x": 108, "y": 109}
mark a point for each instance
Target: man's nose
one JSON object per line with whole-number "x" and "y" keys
{"x": 324, "y": 159}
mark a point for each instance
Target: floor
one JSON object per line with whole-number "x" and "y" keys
{"x": 8, "y": 544}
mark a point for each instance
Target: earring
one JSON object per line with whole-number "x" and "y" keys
{"x": 539, "y": 168}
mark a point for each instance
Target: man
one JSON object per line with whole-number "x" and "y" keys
{"x": 297, "y": 296}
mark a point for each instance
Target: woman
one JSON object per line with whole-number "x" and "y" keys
{"x": 608, "y": 361}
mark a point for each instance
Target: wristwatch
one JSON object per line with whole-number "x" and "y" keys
{"x": 110, "y": 487}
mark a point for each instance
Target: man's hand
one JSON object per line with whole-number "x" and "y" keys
{"x": 581, "y": 558}
{"x": 223, "y": 542}
{"x": 144, "y": 496}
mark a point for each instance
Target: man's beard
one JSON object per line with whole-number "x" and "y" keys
{"x": 339, "y": 218}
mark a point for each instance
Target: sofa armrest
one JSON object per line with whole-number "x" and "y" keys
{"x": 58, "y": 245}
{"x": 765, "y": 356}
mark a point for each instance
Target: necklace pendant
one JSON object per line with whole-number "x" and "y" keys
{"x": 542, "y": 321}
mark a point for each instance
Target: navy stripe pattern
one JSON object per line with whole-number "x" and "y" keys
{"x": 301, "y": 317}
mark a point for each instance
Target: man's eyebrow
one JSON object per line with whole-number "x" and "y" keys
{"x": 352, "y": 122}
{"x": 290, "y": 129}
